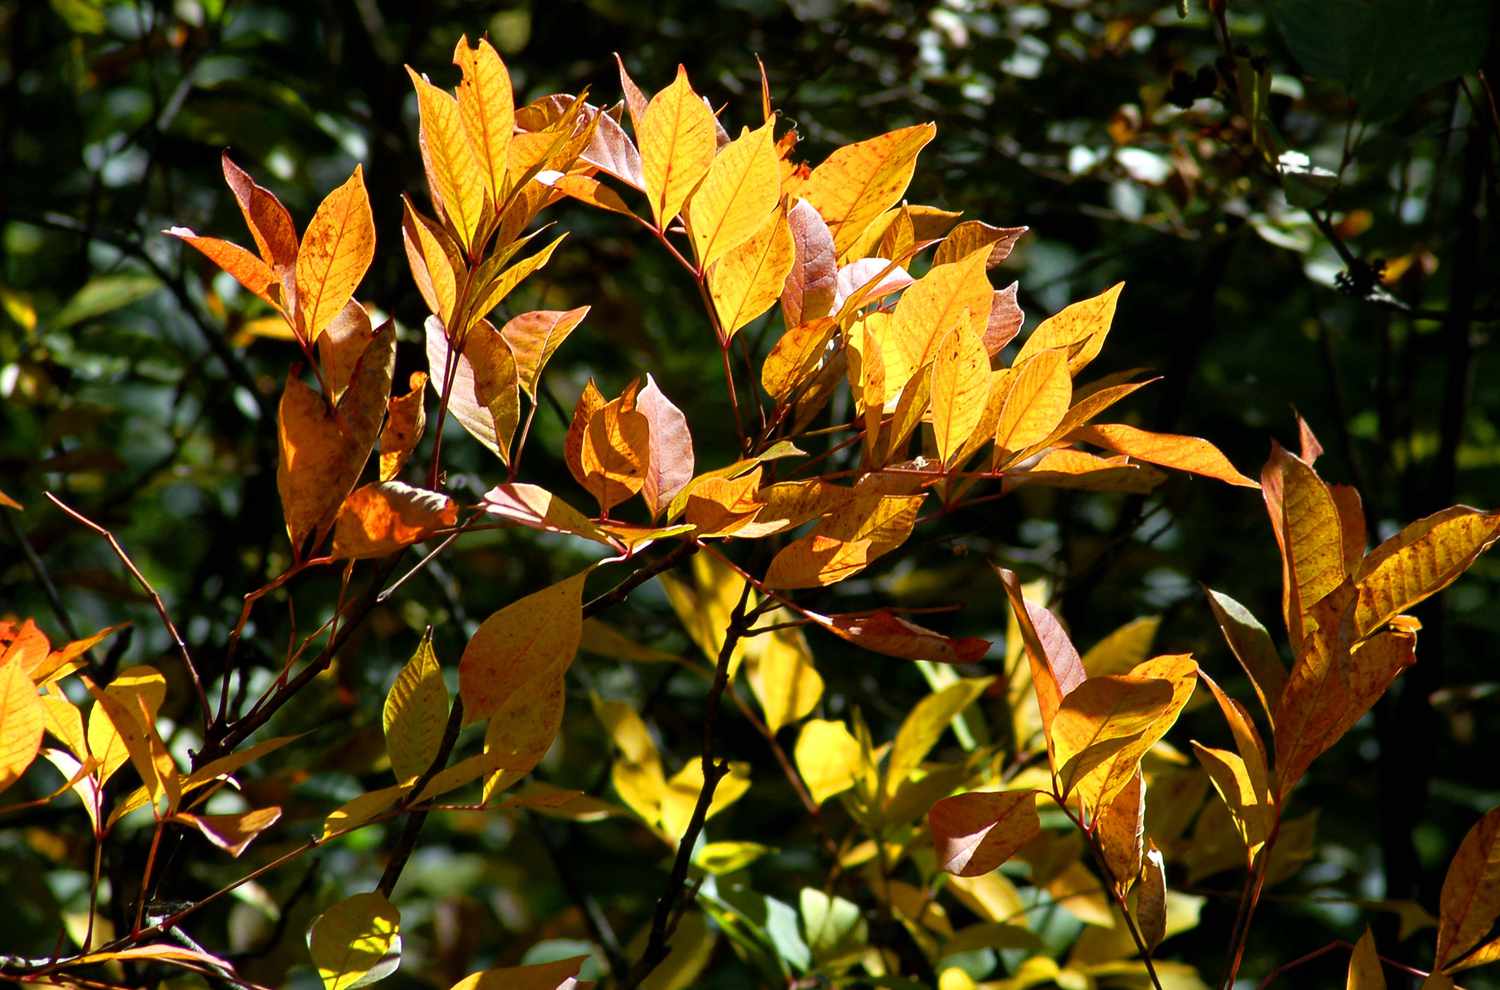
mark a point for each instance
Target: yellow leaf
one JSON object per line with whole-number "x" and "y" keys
{"x": 682, "y": 792}
{"x": 1151, "y": 898}
{"x": 406, "y": 418}
{"x": 560, "y": 975}
{"x": 705, "y": 606}
{"x": 928, "y": 310}
{"x": 115, "y": 728}
{"x": 739, "y": 192}
{"x": 1169, "y": 450}
{"x": 1036, "y": 402}
{"x": 795, "y": 356}
{"x": 1079, "y": 329}
{"x": 1470, "y": 900}
{"x": 973, "y": 834}
{"x": 748, "y": 279}
{"x": 677, "y": 142}
{"x": 491, "y": 294}
{"x": 381, "y": 518}
{"x": 454, "y": 174}
{"x": 486, "y": 109}
{"x": 1123, "y": 648}
{"x": 22, "y": 719}
{"x": 335, "y": 253}
{"x": 925, "y": 725}
{"x": 845, "y": 542}
{"x": 828, "y": 758}
{"x": 522, "y": 731}
{"x": 248, "y": 270}
{"x": 587, "y": 189}
{"x": 433, "y": 268}
{"x": 721, "y": 858}
{"x": 1418, "y": 562}
{"x": 971, "y": 235}
{"x": 1100, "y": 786}
{"x": 534, "y": 337}
{"x": 416, "y": 709}
{"x": 960, "y": 386}
{"x": 1099, "y": 718}
{"x": 1121, "y": 827}
{"x": 356, "y": 942}
{"x": 1364, "y": 966}
{"x": 1054, "y": 663}
{"x": 637, "y": 773}
{"x": 1313, "y": 552}
{"x": 1247, "y": 799}
{"x": 860, "y": 181}
{"x": 780, "y": 667}
{"x": 226, "y": 765}
{"x": 532, "y": 638}
{"x": 360, "y": 810}
{"x": 232, "y": 833}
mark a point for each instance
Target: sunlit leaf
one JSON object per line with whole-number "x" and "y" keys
{"x": 486, "y": 109}
{"x": 828, "y": 758}
{"x": 682, "y": 794}
{"x": 22, "y": 719}
{"x": 269, "y": 222}
{"x": 336, "y": 250}
{"x": 416, "y": 709}
{"x": 975, "y": 833}
{"x": 1418, "y": 562}
{"x": 925, "y": 725}
{"x": 1079, "y": 329}
{"x": 736, "y": 196}
{"x": 454, "y": 174}
{"x": 616, "y": 451}
{"x": 1036, "y": 401}
{"x": 749, "y": 278}
{"x": 406, "y": 418}
{"x": 676, "y": 137}
{"x": 1252, "y": 646}
{"x": 537, "y": 508}
{"x": 485, "y": 393}
{"x": 559, "y": 975}
{"x": 381, "y": 518}
{"x": 960, "y": 383}
{"x": 1470, "y": 900}
{"x": 534, "y": 337}
{"x": 232, "y": 833}
{"x": 670, "y": 466}
{"x": 883, "y": 631}
{"x": 1168, "y": 450}
{"x": 860, "y": 181}
{"x": 247, "y": 269}
{"x": 1099, "y": 717}
{"x": 531, "y": 638}
{"x": 356, "y": 942}
{"x": 845, "y": 542}
{"x": 810, "y": 285}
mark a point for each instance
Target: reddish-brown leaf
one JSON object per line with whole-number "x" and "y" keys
{"x": 976, "y": 833}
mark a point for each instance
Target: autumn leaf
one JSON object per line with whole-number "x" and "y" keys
{"x": 780, "y": 668}
{"x": 405, "y": 419}
{"x": 1035, "y": 402}
{"x": 883, "y": 631}
{"x": 670, "y": 445}
{"x": 486, "y": 109}
{"x": 416, "y": 709}
{"x": 860, "y": 181}
{"x": 1151, "y": 904}
{"x": 845, "y": 542}
{"x": 522, "y": 730}
{"x": 1080, "y": 329}
{"x": 590, "y": 401}
{"x": 453, "y": 171}
{"x": 115, "y": 733}
{"x": 378, "y": 519}
{"x": 1100, "y": 717}
{"x": 810, "y": 285}
{"x": 247, "y": 269}
{"x": 341, "y": 345}
{"x": 1191, "y": 454}
{"x": 1056, "y": 668}
{"x": 925, "y": 725}
{"x": 748, "y": 279}
{"x": 928, "y": 310}
{"x": 484, "y": 396}
{"x": 676, "y": 138}
{"x": 1470, "y": 901}
{"x": 535, "y": 336}
{"x": 1252, "y": 647}
{"x": 335, "y": 253}
{"x": 269, "y": 222}
{"x": 971, "y": 235}
{"x": 356, "y": 941}
{"x": 22, "y": 719}
{"x": 616, "y": 451}
{"x": 537, "y": 508}
{"x": 1364, "y": 966}
{"x": 735, "y": 197}
{"x": 960, "y": 384}
{"x": 532, "y": 638}
{"x": 1418, "y": 562}
{"x": 1121, "y": 827}
{"x": 682, "y": 791}
{"x": 1099, "y": 786}
{"x": 828, "y": 758}
{"x": 435, "y": 268}
{"x": 232, "y": 833}
{"x": 559, "y": 975}
{"x": 975, "y": 833}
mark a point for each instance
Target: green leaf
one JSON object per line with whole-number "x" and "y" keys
{"x": 416, "y": 710}
{"x": 356, "y": 942}
{"x": 926, "y": 725}
{"x": 105, "y": 294}
{"x": 833, "y": 925}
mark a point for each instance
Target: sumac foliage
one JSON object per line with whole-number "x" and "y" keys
{"x": 874, "y": 382}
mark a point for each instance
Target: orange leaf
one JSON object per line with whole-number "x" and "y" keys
{"x": 1190, "y": 454}
{"x": 232, "y": 833}
{"x": 453, "y": 172}
{"x": 486, "y": 109}
{"x": 676, "y": 135}
{"x": 22, "y": 719}
{"x": 485, "y": 394}
{"x": 589, "y": 402}
{"x": 1121, "y": 827}
{"x": 587, "y": 189}
{"x": 335, "y": 253}
{"x": 734, "y": 199}
{"x": 1418, "y": 562}
{"x": 748, "y": 279}
{"x": 250, "y": 271}
{"x": 378, "y": 519}
{"x": 971, "y": 235}
{"x": 534, "y": 337}
{"x": 976, "y": 833}
{"x": 528, "y": 641}
{"x": 1035, "y": 403}
{"x": 405, "y": 419}
{"x": 846, "y": 541}
{"x": 537, "y": 508}
{"x": 269, "y": 222}
{"x": 883, "y": 631}
{"x": 860, "y": 181}
{"x": 1471, "y": 893}
{"x": 635, "y": 100}
{"x": 1099, "y": 718}
{"x": 433, "y": 268}
{"x": 1313, "y": 552}
{"x": 795, "y": 356}
{"x": 616, "y": 451}
{"x": 722, "y": 506}
{"x": 493, "y": 293}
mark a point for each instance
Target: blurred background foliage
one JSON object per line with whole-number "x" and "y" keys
{"x": 1299, "y": 194}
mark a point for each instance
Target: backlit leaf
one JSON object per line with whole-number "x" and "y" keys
{"x": 381, "y": 518}
{"x": 485, "y": 394}
{"x": 975, "y": 833}
{"x": 1190, "y": 454}
{"x": 781, "y": 672}
{"x": 559, "y": 975}
{"x": 1252, "y": 647}
{"x": 1151, "y": 899}
{"x": 269, "y": 222}
{"x": 1099, "y": 786}
{"x": 734, "y": 199}
{"x": 537, "y": 508}
{"x": 670, "y": 466}
{"x": 1418, "y": 562}
{"x": 1364, "y": 966}
{"x": 616, "y": 451}
{"x": 1470, "y": 900}
{"x": 860, "y": 181}
{"x": 960, "y": 383}
{"x": 925, "y": 725}
{"x": 828, "y": 758}
{"x": 406, "y": 418}
{"x": 1121, "y": 826}
{"x": 433, "y": 268}
{"x": 416, "y": 710}
{"x": 810, "y": 285}
{"x": 115, "y": 733}
{"x": 1036, "y": 401}
{"x": 1055, "y": 666}
{"x": 356, "y": 942}
{"x": 1122, "y": 649}
{"x": 676, "y": 137}
{"x": 531, "y": 638}
{"x": 928, "y": 310}
{"x": 1079, "y": 329}
{"x": 22, "y": 719}
{"x": 486, "y": 109}
{"x": 335, "y": 253}
{"x": 248, "y": 270}
{"x": 454, "y": 173}
{"x": 232, "y": 833}
{"x": 971, "y": 235}
{"x": 534, "y": 337}
{"x": 883, "y": 631}
{"x": 748, "y": 279}
{"x": 845, "y": 542}
{"x": 683, "y": 789}
{"x": 1099, "y": 717}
